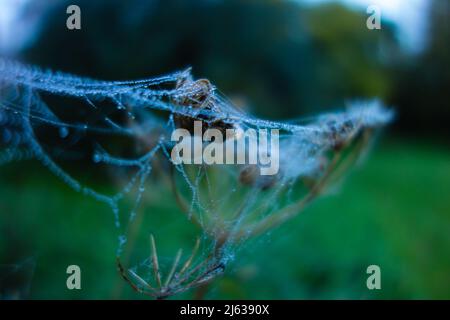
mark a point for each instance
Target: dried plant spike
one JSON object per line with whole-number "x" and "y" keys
{"x": 191, "y": 258}
{"x": 155, "y": 261}
{"x": 136, "y": 288}
{"x": 141, "y": 281}
{"x": 174, "y": 267}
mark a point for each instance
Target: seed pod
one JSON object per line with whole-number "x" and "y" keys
{"x": 250, "y": 175}
{"x": 199, "y": 95}
{"x": 340, "y": 133}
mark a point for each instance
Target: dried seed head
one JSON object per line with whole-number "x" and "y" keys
{"x": 250, "y": 175}
{"x": 340, "y": 133}
{"x": 197, "y": 92}
{"x": 199, "y": 95}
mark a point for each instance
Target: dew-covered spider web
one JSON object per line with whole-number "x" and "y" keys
{"x": 178, "y": 225}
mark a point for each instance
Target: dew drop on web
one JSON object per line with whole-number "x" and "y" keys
{"x": 63, "y": 132}
{"x": 96, "y": 158}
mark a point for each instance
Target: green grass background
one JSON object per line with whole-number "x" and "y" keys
{"x": 392, "y": 211}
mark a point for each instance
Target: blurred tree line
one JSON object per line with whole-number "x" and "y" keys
{"x": 422, "y": 92}
{"x": 279, "y": 59}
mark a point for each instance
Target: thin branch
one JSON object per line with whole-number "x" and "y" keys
{"x": 174, "y": 267}
{"x": 155, "y": 261}
{"x": 191, "y": 258}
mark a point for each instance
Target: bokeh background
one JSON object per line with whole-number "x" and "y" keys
{"x": 279, "y": 60}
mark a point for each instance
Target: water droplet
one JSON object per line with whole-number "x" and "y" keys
{"x": 97, "y": 157}
{"x": 63, "y": 132}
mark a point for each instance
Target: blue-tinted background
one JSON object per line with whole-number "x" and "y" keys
{"x": 279, "y": 60}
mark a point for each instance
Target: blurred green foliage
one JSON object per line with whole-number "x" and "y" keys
{"x": 392, "y": 211}
{"x": 283, "y": 60}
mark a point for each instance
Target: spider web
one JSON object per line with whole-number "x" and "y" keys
{"x": 121, "y": 131}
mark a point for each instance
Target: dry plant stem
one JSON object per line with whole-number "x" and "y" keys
{"x": 180, "y": 200}
{"x": 285, "y": 214}
{"x": 176, "y": 281}
{"x": 123, "y": 273}
{"x": 334, "y": 170}
{"x": 205, "y": 277}
{"x": 134, "y": 228}
{"x": 174, "y": 267}
{"x": 189, "y": 261}
{"x": 154, "y": 256}
{"x": 192, "y": 218}
{"x": 194, "y": 270}
{"x": 281, "y": 216}
{"x": 353, "y": 157}
{"x": 289, "y": 212}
